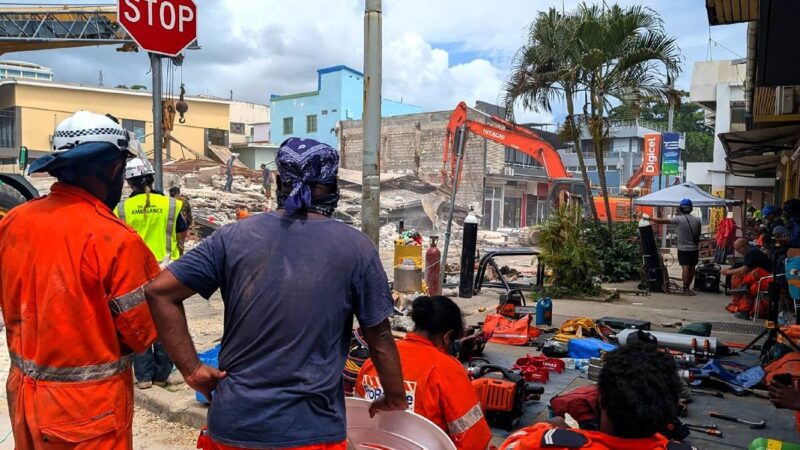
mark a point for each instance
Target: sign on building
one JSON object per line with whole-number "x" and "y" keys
{"x": 652, "y": 154}
{"x": 670, "y": 162}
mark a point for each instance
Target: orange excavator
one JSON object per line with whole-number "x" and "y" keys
{"x": 563, "y": 187}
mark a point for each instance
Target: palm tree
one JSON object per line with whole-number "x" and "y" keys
{"x": 626, "y": 56}
{"x": 547, "y": 67}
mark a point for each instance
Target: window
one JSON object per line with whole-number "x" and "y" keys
{"x": 492, "y": 206}
{"x": 237, "y": 128}
{"x": 288, "y": 125}
{"x": 14, "y": 73}
{"x": 8, "y": 118}
{"x": 28, "y": 74}
{"x": 311, "y": 123}
{"x": 591, "y": 168}
{"x": 217, "y": 137}
{"x": 324, "y": 112}
{"x": 611, "y": 168}
{"x": 517, "y": 158}
{"x": 334, "y": 110}
{"x": 136, "y": 127}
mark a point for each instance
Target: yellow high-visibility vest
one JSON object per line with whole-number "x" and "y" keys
{"x": 157, "y": 225}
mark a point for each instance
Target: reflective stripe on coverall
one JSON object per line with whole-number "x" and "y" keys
{"x": 157, "y": 224}
{"x": 437, "y": 388}
{"x": 72, "y": 295}
{"x": 545, "y": 436}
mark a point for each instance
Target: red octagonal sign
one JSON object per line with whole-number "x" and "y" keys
{"x": 166, "y": 27}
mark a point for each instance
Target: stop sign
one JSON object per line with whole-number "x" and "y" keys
{"x": 166, "y": 27}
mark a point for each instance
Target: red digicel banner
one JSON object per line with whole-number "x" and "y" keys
{"x": 652, "y": 155}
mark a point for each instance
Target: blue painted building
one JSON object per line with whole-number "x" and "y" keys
{"x": 339, "y": 96}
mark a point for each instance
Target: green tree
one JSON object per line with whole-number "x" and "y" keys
{"x": 689, "y": 119}
{"x": 627, "y": 57}
{"x": 568, "y": 250}
{"x": 545, "y": 68}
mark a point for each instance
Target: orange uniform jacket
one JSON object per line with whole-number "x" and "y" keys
{"x": 71, "y": 291}
{"x": 437, "y": 388}
{"x": 545, "y": 436}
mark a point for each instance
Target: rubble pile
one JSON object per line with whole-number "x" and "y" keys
{"x": 211, "y": 204}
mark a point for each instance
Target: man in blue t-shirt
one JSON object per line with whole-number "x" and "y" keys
{"x": 291, "y": 281}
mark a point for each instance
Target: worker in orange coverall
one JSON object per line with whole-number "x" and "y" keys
{"x": 639, "y": 389}
{"x": 437, "y": 386}
{"x": 72, "y": 279}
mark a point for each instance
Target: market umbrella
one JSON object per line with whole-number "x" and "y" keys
{"x": 673, "y": 195}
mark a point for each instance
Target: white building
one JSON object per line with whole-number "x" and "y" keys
{"x": 718, "y": 86}
{"x": 24, "y": 70}
{"x": 249, "y": 123}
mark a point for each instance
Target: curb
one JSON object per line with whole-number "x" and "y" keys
{"x": 172, "y": 407}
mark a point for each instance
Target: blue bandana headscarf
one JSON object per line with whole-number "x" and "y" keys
{"x": 301, "y": 163}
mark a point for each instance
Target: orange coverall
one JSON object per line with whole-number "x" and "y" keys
{"x": 437, "y": 388}
{"x": 72, "y": 281}
{"x": 541, "y": 436}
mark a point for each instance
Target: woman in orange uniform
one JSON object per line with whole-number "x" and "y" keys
{"x": 437, "y": 386}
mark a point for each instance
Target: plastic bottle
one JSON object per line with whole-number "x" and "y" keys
{"x": 544, "y": 311}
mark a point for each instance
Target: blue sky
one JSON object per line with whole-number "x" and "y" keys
{"x": 436, "y": 52}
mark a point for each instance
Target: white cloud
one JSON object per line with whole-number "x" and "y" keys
{"x": 436, "y": 53}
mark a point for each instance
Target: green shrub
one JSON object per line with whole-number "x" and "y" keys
{"x": 619, "y": 258}
{"x": 566, "y": 250}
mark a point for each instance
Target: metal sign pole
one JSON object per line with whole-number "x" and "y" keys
{"x": 158, "y": 138}
{"x": 459, "y": 148}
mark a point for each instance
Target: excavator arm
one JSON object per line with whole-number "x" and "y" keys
{"x": 638, "y": 178}
{"x": 503, "y": 132}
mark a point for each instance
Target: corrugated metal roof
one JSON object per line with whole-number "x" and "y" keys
{"x": 722, "y": 12}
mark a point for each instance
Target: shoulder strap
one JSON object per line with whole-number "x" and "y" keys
{"x": 121, "y": 211}
{"x": 559, "y": 437}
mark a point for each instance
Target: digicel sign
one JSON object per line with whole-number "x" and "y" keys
{"x": 652, "y": 154}
{"x": 166, "y": 27}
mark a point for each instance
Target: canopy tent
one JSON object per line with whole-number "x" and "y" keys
{"x": 673, "y": 195}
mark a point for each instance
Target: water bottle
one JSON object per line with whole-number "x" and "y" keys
{"x": 544, "y": 311}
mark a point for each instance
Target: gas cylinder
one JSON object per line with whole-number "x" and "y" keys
{"x": 433, "y": 267}
{"x": 468, "y": 247}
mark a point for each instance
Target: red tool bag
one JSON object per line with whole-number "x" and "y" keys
{"x": 508, "y": 331}
{"x": 583, "y": 404}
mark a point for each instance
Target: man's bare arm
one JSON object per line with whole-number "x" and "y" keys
{"x": 165, "y": 296}
{"x": 383, "y": 352}
{"x": 660, "y": 220}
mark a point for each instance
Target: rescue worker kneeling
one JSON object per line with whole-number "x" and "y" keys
{"x": 158, "y": 221}
{"x": 437, "y": 386}
{"x": 638, "y": 389}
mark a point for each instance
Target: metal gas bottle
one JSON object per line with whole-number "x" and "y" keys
{"x": 433, "y": 268}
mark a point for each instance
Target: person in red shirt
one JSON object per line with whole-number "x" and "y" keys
{"x": 639, "y": 389}
{"x": 72, "y": 279}
{"x": 437, "y": 386}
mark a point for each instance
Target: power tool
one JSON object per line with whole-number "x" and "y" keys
{"x": 503, "y": 394}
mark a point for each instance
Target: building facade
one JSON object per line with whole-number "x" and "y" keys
{"x": 30, "y": 111}
{"x": 623, "y": 157}
{"x": 718, "y": 86}
{"x": 505, "y": 187}
{"x": 316, "y": 115}
{"x": 249, "y": 123}
{"x": 24, "y": 71}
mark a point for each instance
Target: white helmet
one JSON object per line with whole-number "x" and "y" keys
{"x": 137, "y": 167}
{"x": 85, "y": 127}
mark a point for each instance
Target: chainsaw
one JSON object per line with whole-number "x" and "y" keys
{"x": 503, "y": 394}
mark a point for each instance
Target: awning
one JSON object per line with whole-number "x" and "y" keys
{"x": 673, "y": 195}
{"x": 723, "y": 12}
{"x": 757, "y": 153}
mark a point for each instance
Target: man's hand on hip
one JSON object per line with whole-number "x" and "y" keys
{"x": 384, "y": 403}
{"x": 204, "y": 379}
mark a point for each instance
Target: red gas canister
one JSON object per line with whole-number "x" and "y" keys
{"x": 433, "y": 268}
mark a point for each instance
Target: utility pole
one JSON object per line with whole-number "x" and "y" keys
{"x": 158, "y": 138}
{"x": 371, "y": 183}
